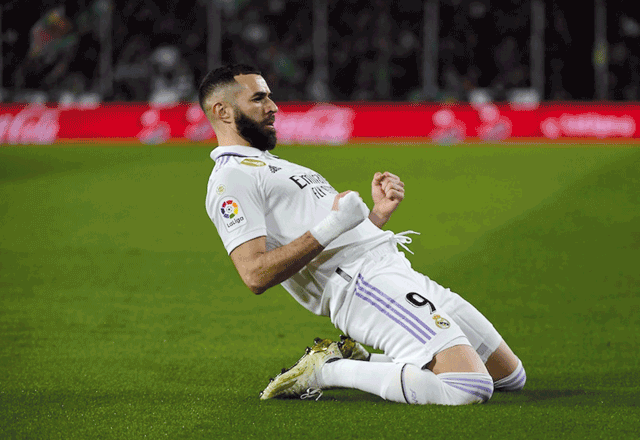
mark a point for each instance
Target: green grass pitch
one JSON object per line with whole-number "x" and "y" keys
{"x": 123, "y": 318}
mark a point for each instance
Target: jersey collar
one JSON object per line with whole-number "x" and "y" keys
{"x": 238, "y": 150}
{"x": 235, "y": 150}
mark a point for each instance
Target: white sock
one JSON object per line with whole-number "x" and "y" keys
{"x": 407, "y": 383}
{"x": 513, "y": 382}
{"x": 364, "y": 376}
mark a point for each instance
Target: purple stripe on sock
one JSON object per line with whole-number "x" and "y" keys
{"x": 475, "y": 387}
{"x": 466, "y": 379}
{"x": 515, "y": 382}
{"x": 392, "y": 301}
{"x": 520, "y": 383}
{"x": 523, "y": 378}
{"x": 518, "y": 377}
{"x": 484, "y": 397}
{"x": 377, "y": 306}
{"x": 380, "y": 301}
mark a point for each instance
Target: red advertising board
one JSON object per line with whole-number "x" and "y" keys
{"x": 326, "y": 123}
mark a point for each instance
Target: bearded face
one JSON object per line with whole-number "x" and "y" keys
{"x": 260, "y": 135}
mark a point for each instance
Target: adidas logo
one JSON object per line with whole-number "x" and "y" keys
{"x": 273, "y": 169}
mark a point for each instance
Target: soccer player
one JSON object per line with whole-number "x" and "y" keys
{"x": 283, "y": 223}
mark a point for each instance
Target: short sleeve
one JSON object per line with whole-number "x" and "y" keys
{"x": 236, "y": 207}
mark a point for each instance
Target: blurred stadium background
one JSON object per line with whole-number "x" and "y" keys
{"x": 540, "y": 56}
{"x": 321, "y": 50}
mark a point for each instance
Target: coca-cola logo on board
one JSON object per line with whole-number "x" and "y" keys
{"x": 35, "y": 124}
{"x": 323, "y": 123}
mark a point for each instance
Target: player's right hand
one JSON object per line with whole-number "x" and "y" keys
{"x": 351, "y": 208}
{"x": 339, "y": 197}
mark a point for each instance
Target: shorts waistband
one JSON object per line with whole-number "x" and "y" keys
{"x": 382, "y": 250}
{"x": 391, "y": 246}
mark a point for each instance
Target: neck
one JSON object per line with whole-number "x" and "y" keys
{"x": 227, "y": 136}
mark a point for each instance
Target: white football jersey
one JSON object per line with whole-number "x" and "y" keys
{"x": 252, "y": 193}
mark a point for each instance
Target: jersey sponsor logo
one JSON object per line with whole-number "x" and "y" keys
{"x": 318, "y": 184}
{"x": 232, "y": 214}
{"x": 253, "y": 162}
{"x": 441, "y": 322}
{"x": 303, "y": 180}
{"x": 274, "y": 169}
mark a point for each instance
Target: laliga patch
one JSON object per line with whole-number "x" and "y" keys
{"x": 232, "y": 214}
{"x": 253, "y": 162}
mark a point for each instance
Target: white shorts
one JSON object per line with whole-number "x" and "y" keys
{"x": 380, "y": 301}
{"x": 482, "y": 335}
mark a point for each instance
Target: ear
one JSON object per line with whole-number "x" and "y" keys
{"x": 223, "y": 112}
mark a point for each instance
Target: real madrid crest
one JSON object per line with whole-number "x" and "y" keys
{"x": 441, "y": 322}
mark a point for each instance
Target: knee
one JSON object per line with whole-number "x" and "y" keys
{"x": 467, "y": 388}
{"x": 423, "y": 387}
{"x": 513, "y": 382}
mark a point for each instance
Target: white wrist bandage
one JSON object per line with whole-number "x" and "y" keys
{"x": 351, "y": 212}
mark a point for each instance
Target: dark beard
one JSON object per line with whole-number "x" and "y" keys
{"x": 257, "y": 135}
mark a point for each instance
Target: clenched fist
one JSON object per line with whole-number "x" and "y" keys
{"x": 387, "y": 191}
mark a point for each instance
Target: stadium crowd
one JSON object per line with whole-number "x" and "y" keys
{"x": 159, "y": 49}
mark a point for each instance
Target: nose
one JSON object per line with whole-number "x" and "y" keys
{"x": 272, "y": 107}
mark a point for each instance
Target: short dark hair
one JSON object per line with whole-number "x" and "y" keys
{"x": 222, "y": 76}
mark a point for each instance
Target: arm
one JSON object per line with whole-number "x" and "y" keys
{"x": 387, "y": 191}
{"x": 261, "y": 269}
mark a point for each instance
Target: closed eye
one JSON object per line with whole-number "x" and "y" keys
{"x": 260, "y": 96}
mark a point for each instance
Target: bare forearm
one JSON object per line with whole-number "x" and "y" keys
{"x": 261, "y": 269}
{"x": 378, "y": 218}
{"x": 278, "y": 265}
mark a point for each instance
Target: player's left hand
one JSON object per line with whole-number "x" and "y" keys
{"x": 387, "y": 191}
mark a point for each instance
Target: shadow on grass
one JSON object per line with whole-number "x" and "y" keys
{"x": 346, "y": 395}
{"x": 538, "y": 398}
{"x": 544, "y": 396}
